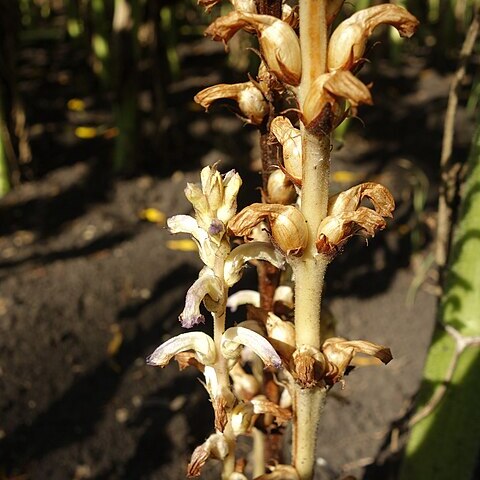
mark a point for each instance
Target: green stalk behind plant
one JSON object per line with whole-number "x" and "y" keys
{"x": 445, "y": 444}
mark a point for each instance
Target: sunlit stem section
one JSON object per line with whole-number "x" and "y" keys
{"x": 310, "y": 269}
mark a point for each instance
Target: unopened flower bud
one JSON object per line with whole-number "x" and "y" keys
{"x": 198, "y": 342}
{"x": 278, "y": 41}
{"x": 280, "y": 330}
{"x": 287, "y": 224}
{"x": 280, "y": 189}
{"x": 253, "y": 106}
{"x": 348, "y": 41}
{"x": 290, "y": 139}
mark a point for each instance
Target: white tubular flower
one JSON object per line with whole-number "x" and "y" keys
{"x": 187, "y": 224}
{"x": 235, "y": 338}
{"x": 198, "y": 342}
{"x": 243, "y": 297}
{"x": 207, "y": 285}
{"x": 246, "y": 252}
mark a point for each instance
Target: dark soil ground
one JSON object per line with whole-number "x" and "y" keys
{"x": 88, "y": 289}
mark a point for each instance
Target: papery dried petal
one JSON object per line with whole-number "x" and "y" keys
{"x": 207, "y": 284}
{"x": 321, "y": 108}
{"x": 221, "y": 397}
{"x": 290, "y": 139}
{"x": 351, "y": 199}
{"x": 198, "y": 342}
{"x": 278, "y": 41}
{"x": 250, "y": 100}
{"x": 214, "y": 447}
{"x": 208, "y": 4}
{"x": 235, "y": 338}
{"x": 239, "y": 256}
{"x": 335, "y": 230}
{"x": 308, "y": 367}
{"x": 346, "y": 218}
{"x": 261, "y": 405}
{"x": 288, "y": 226}
{"x": 340, "y": 352}
{"x": 247, "y": 6}
{"x": 348, "y": 41}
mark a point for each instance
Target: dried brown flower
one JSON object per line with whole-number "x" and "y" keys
{"x": 348, "y": 41}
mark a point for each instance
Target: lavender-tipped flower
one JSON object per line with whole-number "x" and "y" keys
{"x": 207, "y": 285}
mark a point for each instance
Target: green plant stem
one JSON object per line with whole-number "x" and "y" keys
{"x": 310, "y": 269}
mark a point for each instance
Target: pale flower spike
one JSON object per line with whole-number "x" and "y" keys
{"x": 309, "y": 78}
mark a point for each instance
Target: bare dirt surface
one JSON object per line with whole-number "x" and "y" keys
{"x": 88, "y": 289}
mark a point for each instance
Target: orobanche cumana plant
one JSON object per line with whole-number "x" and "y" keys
{"x": 306, "y": 78}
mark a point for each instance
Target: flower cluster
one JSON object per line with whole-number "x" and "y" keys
{"x": 234, "y": 358}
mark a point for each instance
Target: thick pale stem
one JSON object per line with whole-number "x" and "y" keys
{"x": 310, "y": 269}
{"x": 308, "y": 406}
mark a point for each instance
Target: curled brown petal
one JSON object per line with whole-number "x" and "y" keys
{"x": 335, "y": 230}
{"x": 288, "y": 226}
{"x": 340, "y": 352}
{"x": 350, "y": 199}
{"x": 251, "y": 103}
{"x": 348, "y": 41}
{"x": 322, "y": 108}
